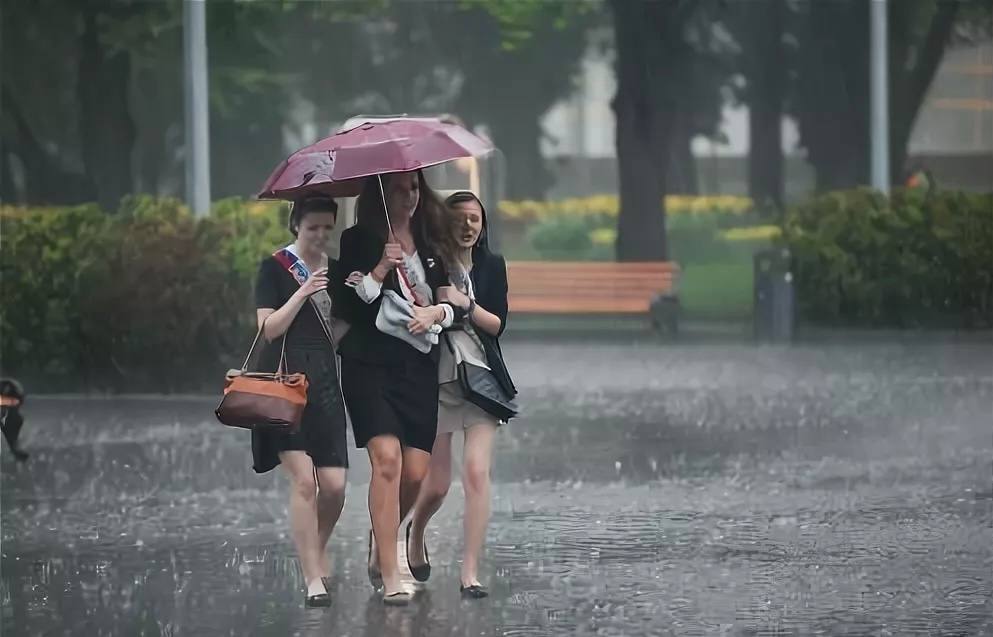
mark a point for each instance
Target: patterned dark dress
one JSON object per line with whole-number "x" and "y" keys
{"x": 323, "y": 429}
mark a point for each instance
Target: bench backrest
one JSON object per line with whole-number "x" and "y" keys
{"x": 588, "y": 287}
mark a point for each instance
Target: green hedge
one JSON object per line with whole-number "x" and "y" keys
{"x": 697, "y": 238}
{"x": 152, "y": 299}
{"x": 147, "y": 299}
{"x": 912, "y": 260}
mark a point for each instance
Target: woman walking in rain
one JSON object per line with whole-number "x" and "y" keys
{"x": 479, "y": 279}
{"x": 389, "y": 358}
{"x": 293, "y": 303}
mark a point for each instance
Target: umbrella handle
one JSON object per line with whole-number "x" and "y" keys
{"x": 386, "y": 210}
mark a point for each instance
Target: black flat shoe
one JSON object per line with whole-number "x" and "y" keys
{"x": 375, "y": 575}
{"x": 321, "y": 600}
{"x": 474, "y": 592}
{"x": 423, "y": 572}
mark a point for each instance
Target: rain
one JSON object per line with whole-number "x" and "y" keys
{"x": 819, "y": 489}
{"x": 749, "y": 256}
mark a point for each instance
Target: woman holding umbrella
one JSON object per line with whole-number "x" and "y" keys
{"x": 389, "y": 379}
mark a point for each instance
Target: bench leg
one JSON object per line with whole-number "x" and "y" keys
{"x": 665, "y": 315}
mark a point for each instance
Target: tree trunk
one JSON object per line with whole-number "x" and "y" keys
{"x": 45, "y": 181}
{"x": 641, "y": 234}
{"x": 766, "y": 89}
{"x": 156, "y": 114}
{"x": 682, "y": 178}
{"x": 833, "y": 93}
{"x": 643, "y": 134}
{"x": 8, "y": 190}
{"x": 106, "y": 129}
{"x": 765, "y": 154}
{"x": 518, "y": 135}
{"x": 909, "y": 86}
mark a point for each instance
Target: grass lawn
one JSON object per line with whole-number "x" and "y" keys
{"x": 715, "y": 286}
{"x": 713, "y": 291}
{"x": 717, "y": 290}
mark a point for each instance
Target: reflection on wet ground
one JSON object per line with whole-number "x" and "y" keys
{"x": 648, "y": 490}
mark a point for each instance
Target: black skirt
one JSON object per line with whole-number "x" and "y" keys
{"x": 322, "y": 432}
{"x": 398, "y": 398}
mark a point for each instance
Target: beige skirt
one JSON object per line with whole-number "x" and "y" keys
{"x": 455, "y": 413}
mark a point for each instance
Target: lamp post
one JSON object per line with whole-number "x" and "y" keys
{"x": 880, "y": 108}
{"x": 196, "y": 114}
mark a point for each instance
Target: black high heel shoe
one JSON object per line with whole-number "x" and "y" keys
{"x": 319, "y": 600}
{"x": 423, "y": 572}
{"x": 474, "y": 591}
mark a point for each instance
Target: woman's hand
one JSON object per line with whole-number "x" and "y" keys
{"x": 317, "y": 281}
{"x": 425, "y": 318}
{"x": 392, "y": 257}
{"x": 451, "y": 294}
{"x": 355, "y": 278}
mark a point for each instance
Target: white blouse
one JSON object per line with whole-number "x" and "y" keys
{"x": 413, "y": 286}
{"x": 463, "y": 344}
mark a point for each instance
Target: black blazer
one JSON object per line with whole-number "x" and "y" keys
{"x": 489, "y": 281}
{"x": 360, "y": 251}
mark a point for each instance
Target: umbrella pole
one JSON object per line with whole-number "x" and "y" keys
{"x": 386, "y": 210}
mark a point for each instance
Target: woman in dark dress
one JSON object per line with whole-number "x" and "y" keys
{"x": 293, "y": 302}
{"x": 391, "y": 387}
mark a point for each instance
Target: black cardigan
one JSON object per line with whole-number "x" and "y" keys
{"x": 360, "y": 251}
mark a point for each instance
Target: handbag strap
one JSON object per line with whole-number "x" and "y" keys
{"x": 402, "y": 271}
{"x": 324, "y": 324}
{"x": 299, "y": 271}
{"x": 281, "y": 367}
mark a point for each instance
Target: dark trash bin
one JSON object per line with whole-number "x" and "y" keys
{"x": 774, "y": 296}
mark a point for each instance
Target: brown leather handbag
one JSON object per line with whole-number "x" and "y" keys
{"x": 260, "y": 400}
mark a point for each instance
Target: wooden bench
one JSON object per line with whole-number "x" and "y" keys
{"x": 552, "y": 287}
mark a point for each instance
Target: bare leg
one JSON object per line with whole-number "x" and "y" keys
{"x": 415, "y": 468}
{"x": 303, "y": 516}
{"x": 477, "y": 459}
{"x": 432, "y": 495}
{"x": 330, "y": 501}
{"x": 386, "y": 458}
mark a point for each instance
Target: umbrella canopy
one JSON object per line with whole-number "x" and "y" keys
{"x": 337, "y": 165}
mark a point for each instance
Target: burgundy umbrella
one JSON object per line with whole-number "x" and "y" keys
{"x": 337, "y": 165}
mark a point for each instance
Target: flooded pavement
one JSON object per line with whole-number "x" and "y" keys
{"x": 647, "y": 490}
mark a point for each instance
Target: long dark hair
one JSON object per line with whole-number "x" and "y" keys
{"x": 427, "y": 223}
